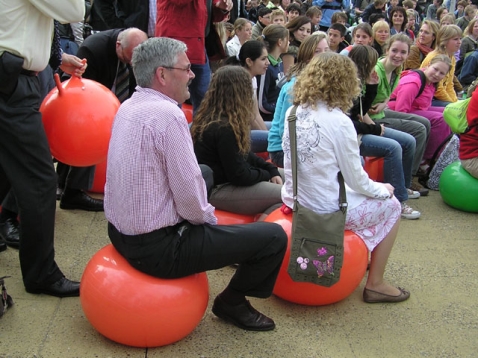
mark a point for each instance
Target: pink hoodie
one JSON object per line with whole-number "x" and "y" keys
{"x": 403, "y": 98}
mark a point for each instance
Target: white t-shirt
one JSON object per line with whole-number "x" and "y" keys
{"x": 254, "y": 87}
{"x": 233, "y": 46}
{"x": 327, "y": 143}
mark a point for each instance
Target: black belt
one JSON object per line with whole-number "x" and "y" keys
{"x": 331, "y": 7}
{"x": 29, "y": 73}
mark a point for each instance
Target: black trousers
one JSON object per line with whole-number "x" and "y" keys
{"x": 79, "y": 178}
{"x": 10, "y": 202}
{"x": 26, "y": 165}
{"x": 184, "y": 249}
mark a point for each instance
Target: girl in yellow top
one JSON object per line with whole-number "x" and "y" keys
{"x": 448, "y": 42}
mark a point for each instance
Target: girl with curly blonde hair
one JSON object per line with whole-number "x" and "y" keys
{"x": 327, "y": 144}
{"x": 337, "y": 87}
{"x": 244, "y": 182}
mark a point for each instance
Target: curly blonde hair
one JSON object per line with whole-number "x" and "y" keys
{"x": 229, "y": 101}
{"x": 330, "y": 78}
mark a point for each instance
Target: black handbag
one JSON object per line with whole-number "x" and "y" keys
{"x": 317, "y": 239}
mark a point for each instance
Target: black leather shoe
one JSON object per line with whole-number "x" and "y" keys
{"x": 78, "y": 199}
{"x": 61, "y": 288}
{"x": 59, "y": 192}
{"x": 9, "y": 233}
{"x": 3, "y": 246}
{"x": 243, "y": 316}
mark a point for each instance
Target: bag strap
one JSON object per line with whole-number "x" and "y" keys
{"x": 293, "y": 157}
{"x": 423, "y": 80}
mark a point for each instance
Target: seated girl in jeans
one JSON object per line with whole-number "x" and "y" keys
{"x": 376, "y": 140}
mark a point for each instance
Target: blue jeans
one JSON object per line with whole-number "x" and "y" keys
{"x": 439, "y": 103}
{"x": 397, "y": 148}
{"x": 200, "y": 83}
{"x": 259, "y": 139}
{"x": 277, "y": 158}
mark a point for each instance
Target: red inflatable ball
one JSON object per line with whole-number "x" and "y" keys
{"x": 78, "y": 116}
{"x": 99, "y": 179}
{"x": 304, "y": 293}
{"x": 227, "y": 218}
{"x": 374, "y": 168}
{"x": 263, "y": 155}
{"x": 136, "y": 309}
{"x": 188, "y": 112}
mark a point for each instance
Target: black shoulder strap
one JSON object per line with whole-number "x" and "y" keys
{"x": 423, "y": 80}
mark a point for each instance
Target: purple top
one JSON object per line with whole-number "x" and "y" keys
{"x": 153, "y": 179}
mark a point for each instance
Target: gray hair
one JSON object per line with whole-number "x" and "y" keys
{"x": 153, "y": 53}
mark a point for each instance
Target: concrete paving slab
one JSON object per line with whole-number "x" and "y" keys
{"x": 434, "y": 257}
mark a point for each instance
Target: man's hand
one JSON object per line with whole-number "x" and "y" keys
{"x": 72, "y": 65}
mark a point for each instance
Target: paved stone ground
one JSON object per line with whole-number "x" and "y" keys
{"x": 434, "y": 257}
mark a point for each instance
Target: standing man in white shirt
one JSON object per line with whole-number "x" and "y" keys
{"x": 26, "y": 34}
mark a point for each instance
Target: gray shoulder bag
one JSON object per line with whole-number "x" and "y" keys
{"x": 317, "y": 239}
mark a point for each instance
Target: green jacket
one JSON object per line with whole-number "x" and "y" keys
{"x": 384, "y": 90}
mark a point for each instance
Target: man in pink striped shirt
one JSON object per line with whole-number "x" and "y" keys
{"x": 156, "y": 200}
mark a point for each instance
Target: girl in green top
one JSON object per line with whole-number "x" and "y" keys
{"x": 388, "y": 69}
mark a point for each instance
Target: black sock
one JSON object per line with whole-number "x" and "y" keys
{"x": 6, "y": 214}
{"x": 232, "y": 297}
{"x": 71, "y": 192}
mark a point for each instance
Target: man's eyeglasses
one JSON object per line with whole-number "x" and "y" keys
{"x": 187, "y": 69}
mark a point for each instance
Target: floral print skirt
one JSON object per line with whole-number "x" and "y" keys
{"x": 373, "y": 219}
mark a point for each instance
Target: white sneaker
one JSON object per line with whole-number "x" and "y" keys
{"x": 412, "y": 194}
{"x": 409, "y": 213}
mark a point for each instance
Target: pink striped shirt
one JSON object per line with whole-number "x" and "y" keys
{"x": 153, "y": 179}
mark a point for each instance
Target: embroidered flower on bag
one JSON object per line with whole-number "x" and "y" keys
{"x": 302, "y": 262}
{"x": 322, "y": 251}
{"x": 325, "y": 266}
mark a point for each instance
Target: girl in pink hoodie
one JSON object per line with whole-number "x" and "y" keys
{"x": 410, "y": 97}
